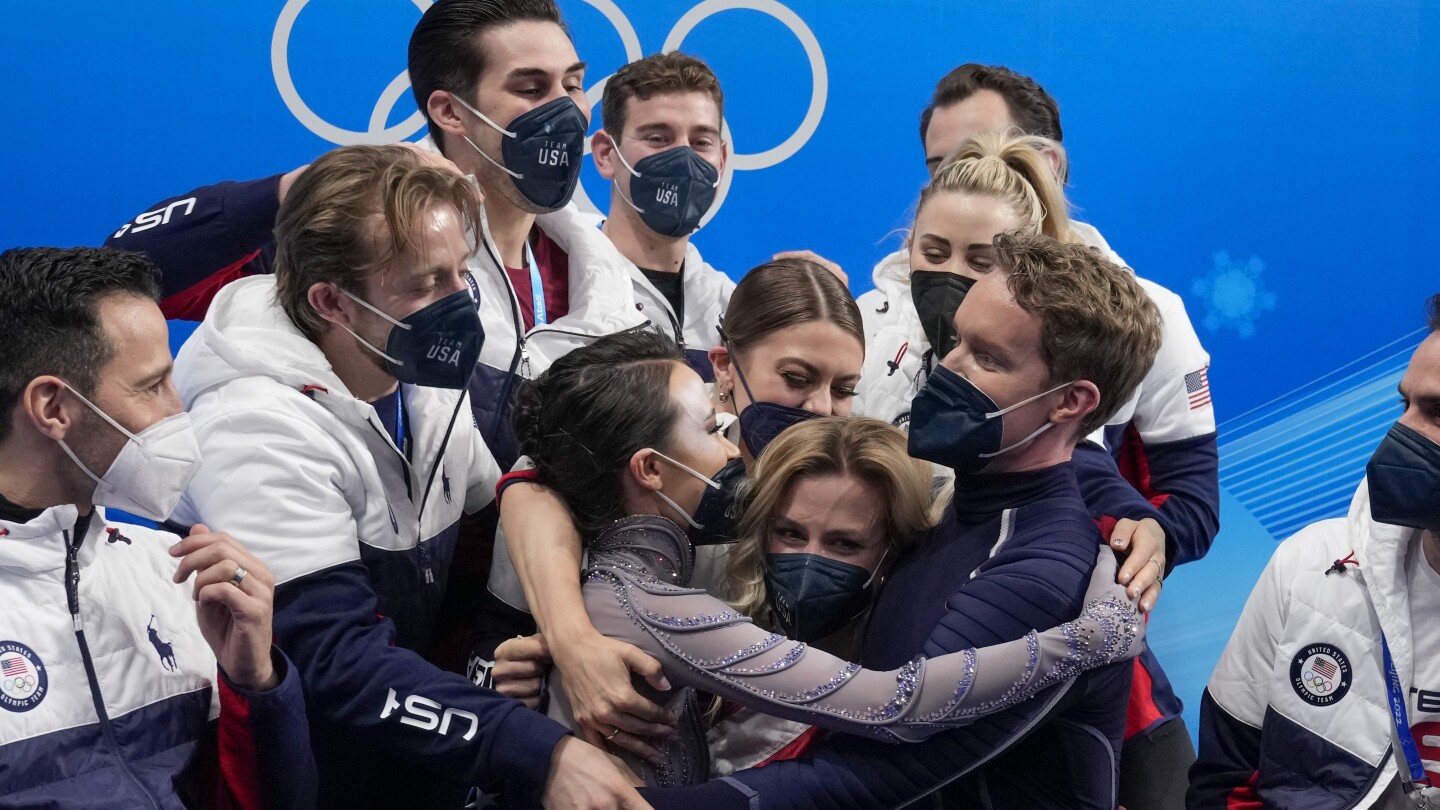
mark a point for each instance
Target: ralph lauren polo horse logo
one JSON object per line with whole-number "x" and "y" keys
{"x": 162, "y": 648}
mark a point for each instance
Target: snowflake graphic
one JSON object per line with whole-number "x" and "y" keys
{"x": 1234, "y": 294}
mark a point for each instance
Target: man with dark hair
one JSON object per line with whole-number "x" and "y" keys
{"x": 1163, "y": 439}
{"x": 661, "y": 149}
{"x": 973, "y": 98}
{"x": 1050, "y": 343}
{"x": 1328, "y": 693}
{"x": 330, "y": 398}
{"x": 113, "y": 667}
{"x": 502, "y": 91}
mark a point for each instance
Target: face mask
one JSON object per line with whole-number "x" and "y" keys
{"x": 435, "y": 346}
{"x": 1404, "y": 479}
{"x": 541, "y": 151}
{"x": 937, "y": 296}
{"x": 152, "y": 470}
{"x": 955, "y": 424}
{"x": 814, "y": 597}
{"x": 761, "y": 422}
{"x": 675, "y": 188}
{"x": 714, "y": 520}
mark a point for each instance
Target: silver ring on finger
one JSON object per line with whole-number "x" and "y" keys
{"x": 612, "y": 734}
{"x": 1159, "y": 569}
{"x": 239, "y": 575}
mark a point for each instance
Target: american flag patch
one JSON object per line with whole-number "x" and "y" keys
{"x": 15, "y": 666}
{"x": 1324, "y": 667}
{"x": 1197, "y": 387}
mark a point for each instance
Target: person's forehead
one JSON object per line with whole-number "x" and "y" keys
{"x": 990, "y": 309}
{"x": 525, "y": 45}
{"x": 974, "y": 217}
{"x": 1422, "y": 376}
{"x": 688, "y": 392}
{"x": 834, "y": 499}
{"x": 684, "y": 108}
{"x": 136, "y": 331}
{"x": 952, "y": 124}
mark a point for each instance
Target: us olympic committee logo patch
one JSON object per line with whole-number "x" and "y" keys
{"x": 23, "y": 680}
{"x": 1320, "y": 674}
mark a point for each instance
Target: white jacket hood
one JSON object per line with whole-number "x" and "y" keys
{"x": 247, "y": 334}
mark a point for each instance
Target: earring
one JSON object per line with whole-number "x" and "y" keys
{"x": 724, "y": 396}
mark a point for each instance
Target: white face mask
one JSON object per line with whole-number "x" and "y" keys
{"x": 151, "y": 471}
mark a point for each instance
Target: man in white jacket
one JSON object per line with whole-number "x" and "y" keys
{"x": 330, "y": 401}
{"x": 1163, "y": 439}
{"x": 122, "y": 683}
{"x": 661, "y": 148}
{"x": 1328, "y": 694}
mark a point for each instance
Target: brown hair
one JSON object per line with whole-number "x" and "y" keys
{"x": 784, "y": 293}
{"x": 1011, "y": 167}
{"x": 1097, "y": 322}
{"x": 672, "y": 72}
{"x": 1032, "y": 109}
{"x": 869, "y": 449}
{"x": 326, "y": 228}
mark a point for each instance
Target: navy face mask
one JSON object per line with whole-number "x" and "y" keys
{"x": 955, "y": 424}
{"x": 436, "y": 346}
{"x": 761, "y": 422}
{"x": 671, "y": 190}
{"x": 937, "y": 296}
{"x": 814, "y": 597}
{"x": 542, "y": 150}
{"x": 714, "y": 520}
{"x": 1404, "y": 479}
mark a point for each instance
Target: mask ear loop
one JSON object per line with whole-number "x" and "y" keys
{"x": 735, "y": 361}
{"x": 105, "y": 416}
{"x": 503, "y": 131}
{"x": 633, "y": 173}
{"x": 363, "y": 341}
{"x": 1048, "y": 424}
{"x": 666, "y": 498}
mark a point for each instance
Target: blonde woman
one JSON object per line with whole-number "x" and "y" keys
{"x": 833, "y": 503}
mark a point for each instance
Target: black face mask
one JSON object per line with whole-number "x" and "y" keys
{"x": 1404, "y": 480}
{"x": 937, "y": 296}
{"x": 436, "y": 346}
{"x": 542, "y": 150}
{"x": 714, "y": 520}
{"x": 814, "y": 597}
{"x": 671, "y": 190}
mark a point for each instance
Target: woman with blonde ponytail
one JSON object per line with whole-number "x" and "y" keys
{"x": 996, "y": 182}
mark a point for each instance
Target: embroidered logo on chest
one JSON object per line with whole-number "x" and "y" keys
{"x": 164, "y": 649}
{"x": 23, "y": 680}
{"x": 1320, "y": 674}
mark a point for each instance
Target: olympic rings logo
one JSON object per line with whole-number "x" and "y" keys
{"x": 19, "y": 685}
{"x": 376, "y": 132}
{"x": 1317, "y": 683}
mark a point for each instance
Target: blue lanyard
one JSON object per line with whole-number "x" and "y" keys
{"x": 1401, "y": 718}
{"x": 400, "y": 421}
{"x": 537, "y": 287}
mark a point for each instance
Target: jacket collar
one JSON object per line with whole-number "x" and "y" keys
{"x": 1381, "y": 550}
{"x": 35, "y": 545}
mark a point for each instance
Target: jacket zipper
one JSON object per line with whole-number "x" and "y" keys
{"x": 72, "y": 596}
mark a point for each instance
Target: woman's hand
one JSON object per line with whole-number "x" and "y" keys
{"x": 598, "y": 685}
{"x": 1142, "y": 544}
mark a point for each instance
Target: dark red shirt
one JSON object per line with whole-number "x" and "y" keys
{"x": 554, "y": 267}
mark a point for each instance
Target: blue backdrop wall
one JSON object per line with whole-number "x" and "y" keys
{"x": 1270, "y": 162}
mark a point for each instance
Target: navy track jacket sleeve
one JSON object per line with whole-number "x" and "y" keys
{"x": 1110, "y": 497}
{"x": 204, "y": 239}
{"x": 264, "y": 745}
{"x": 358, "y": 679}
{"x": 1181, "y": 479}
